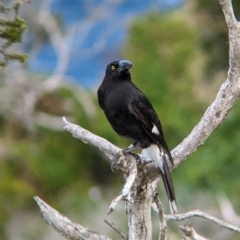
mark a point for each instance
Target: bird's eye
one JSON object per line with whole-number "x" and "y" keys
{"x": 113, "y": 67}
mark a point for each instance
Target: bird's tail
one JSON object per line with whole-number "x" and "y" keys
{"x": 168, "y": 184}
{"x": 155, "y": 152}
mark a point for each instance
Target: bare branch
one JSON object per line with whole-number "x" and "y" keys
{"x": 117, "y": 229}
{"x": 139, "y": 213}
{"x": 87, "y": 137}
{"x": 198, "y": 213}
{"x": 228, "y": 95}
{"x": 59, "y": 41}
{"x": 151, "y": 172}
{"x": 126, "y": 164}
{"x": 228, "y": 12}
{"x": 137, "y": 192}
{"x": 190, "y": 233}
{"x": 114, "y": 203}
{"x": 162, "y": 222}
{"x": 65, "y": 226}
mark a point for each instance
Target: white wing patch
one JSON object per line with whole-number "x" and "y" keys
{"x": 155, "y": 130}
{"x": 131, "y": 146}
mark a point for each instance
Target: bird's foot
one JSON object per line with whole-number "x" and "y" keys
{"x": 114, "y": 161}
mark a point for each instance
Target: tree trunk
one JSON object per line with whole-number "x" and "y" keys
{"x": 139, "y": 215}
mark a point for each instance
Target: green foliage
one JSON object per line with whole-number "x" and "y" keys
{"x": 11, "y": 32}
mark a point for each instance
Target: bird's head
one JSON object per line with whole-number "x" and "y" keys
{"x": 119, "y": 68}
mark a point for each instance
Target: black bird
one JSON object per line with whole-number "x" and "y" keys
{"x": 132, "y": 116}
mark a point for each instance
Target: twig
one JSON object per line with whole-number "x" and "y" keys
{"x": 198, "y": 213}
{"x": 162, "y": 222}
{"x": 131, "y": 176}
{"x": 65, "y": 226}
{"x": 190, "y": 233}
{"x": 127, "y": 164}
{"x": 114, "y": 204}
{"x": 117, "y": 229}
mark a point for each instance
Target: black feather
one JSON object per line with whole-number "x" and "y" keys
{"x": 131, "y": 115}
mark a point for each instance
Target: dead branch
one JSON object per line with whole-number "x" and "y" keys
{"x": 128, "y": 166}
{"x": 115, "y": 228}
{"x": 137, "y": 192}
{"x": 66, "y": 227}
{"x": 198, "y": 213}
{"x": 162, "y": 221}
{"x": 89, "y": 138}
{"x": 190, "y": 233}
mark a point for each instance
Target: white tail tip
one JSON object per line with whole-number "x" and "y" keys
{"x": 173, "y": 207}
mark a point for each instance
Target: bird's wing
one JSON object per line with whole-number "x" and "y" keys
{"x": 143, "y": 111}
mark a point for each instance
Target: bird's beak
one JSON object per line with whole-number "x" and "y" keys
{"x": 124, "y": 65}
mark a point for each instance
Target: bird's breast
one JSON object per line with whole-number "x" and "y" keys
{"x": 115, "y": 102}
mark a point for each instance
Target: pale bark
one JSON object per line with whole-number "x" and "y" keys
{"x": 65, "y": 226}
{"x": 198, "y": 213}
{"x": 116, "y": 228}
{"x": 190, "y": 233}
{"x": 139, "y": 214}
{"x": 162, "y": 221}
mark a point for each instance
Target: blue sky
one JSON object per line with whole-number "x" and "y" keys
{"x": 98, "y": 28}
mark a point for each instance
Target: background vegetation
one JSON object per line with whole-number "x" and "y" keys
{"x": 180, "y": 60}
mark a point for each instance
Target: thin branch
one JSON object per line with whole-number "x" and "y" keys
{"x": 126, "y": 164}
{"x": 65, "y": 226}
{"x": 58, "y": 40}
{"x": 198, "y": 213}
{"x": 114, "y": 203}
{"x": 87, "y": 137}
{"x": 228, "y": 12}
{"x": 190, "y": 233}
{"x": 162, "y": 221}
{"x": 130, "y": 168}
{"x": 234, "y": 42}
{"x": 116, "y": 228}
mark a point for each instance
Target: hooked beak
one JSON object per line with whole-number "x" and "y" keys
{"x": 124, "y": 65}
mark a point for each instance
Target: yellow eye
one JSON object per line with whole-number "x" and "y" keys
{"x": 113, "y": 67}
